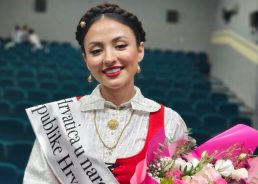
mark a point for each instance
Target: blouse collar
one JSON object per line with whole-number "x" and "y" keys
{"x": 95, "y": 101}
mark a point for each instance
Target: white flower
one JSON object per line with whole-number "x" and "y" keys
{"x": 239, "y": 174}
{"x": 182, "y": 164}
{"x": 179, "y": 162}
{"x": 194, "y": 162}
{"x": 204, "y": 154}
{"x": 242, "y": 156}
{"x": 224, "y": 167}
{"x": 167, "y": 163}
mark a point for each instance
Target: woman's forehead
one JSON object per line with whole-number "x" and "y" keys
{"x": 108, "y": 29}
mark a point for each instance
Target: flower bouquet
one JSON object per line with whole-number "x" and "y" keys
{"x": 226, "y": 158}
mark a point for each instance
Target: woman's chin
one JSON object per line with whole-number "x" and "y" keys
{"x": 116, "y": 84}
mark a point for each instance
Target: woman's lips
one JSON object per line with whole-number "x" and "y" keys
{"x": 113, "y": 71}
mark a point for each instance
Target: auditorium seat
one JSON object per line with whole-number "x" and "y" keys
{"x": 192, "y": 120}
{"x": 238, "y": 119}
{"x": 5, "y": 108}
{"x": 153, "y": 92}
{"x": 214, "y": 123}
{"x": 60, "y": 94}
{"x": 200, "y": 136}
{"x": 228, "y": 109}
{"x": 201, "y": 85}
{"x": 19, "y": 109}
{"x": 29, "y": 133}
{"x": 25, "y": 73}
{"x": 3, "y": 63}
{"x": 70, "y": 86}
{"x": 48, "y": 85}
{"x": 160, "y": 83}
{"x": 195, "y": 95}
{"x": 2, "y": 152}
{"x": 27, "y": 83}
{"x": 45, "y": 74}
{"x": 204, "y": 106}
{"x": 7, "y": 72}
{"x": 11, "y": 129}
{"x": 177, "y": 94}
{"x": 61, "y": 76}
{"x": 201, "y": 62}
{"x": 86, "y": 88}
{"x": 8, "y": 174}
{"x": 182, "y": 84}
{"x": 14, "y": 94}
{"x": 218, "y": 97}
{"x": 181, "y": 106}
{"x": 7, "y": 82}
{"x": 24, "y": 150}
{"x": 38, "y": 96}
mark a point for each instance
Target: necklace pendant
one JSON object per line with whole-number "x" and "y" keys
{"x": 112, "y": 124}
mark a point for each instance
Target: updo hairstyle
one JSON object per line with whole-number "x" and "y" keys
{"x": 111, "y": 11}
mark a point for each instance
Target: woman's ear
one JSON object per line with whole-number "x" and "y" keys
{"x": 141, "y": 51}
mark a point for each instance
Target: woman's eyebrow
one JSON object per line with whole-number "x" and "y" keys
{"x": 118, "y": 38}
{"x": 94, "y": 43}
{"x": 100, "y": 43}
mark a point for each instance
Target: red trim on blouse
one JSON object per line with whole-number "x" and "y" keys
{"x": 78, "y": 98}
{"x": 125, "y": 167}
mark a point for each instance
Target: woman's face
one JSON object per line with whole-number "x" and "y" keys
{"x": 111, "y": 53}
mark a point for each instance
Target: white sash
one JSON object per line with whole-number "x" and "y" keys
{"x": 60, "y": 130}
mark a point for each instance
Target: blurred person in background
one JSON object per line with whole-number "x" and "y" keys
{"x": 16, "y": 37}
{"x": 25, "y": 33}
{"x": 34, "y": 40}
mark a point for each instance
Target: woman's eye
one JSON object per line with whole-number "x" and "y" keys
{"x": 122, "y": 46}
{"x": 95, "y": 52}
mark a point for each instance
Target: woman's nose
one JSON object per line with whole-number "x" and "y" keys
{"x": 109, "y": 57}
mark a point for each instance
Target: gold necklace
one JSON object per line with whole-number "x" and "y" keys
{"x": 111, "y": 148}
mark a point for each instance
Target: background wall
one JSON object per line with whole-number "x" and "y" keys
{"x": 192, "y": 32}
{"x": 240, "y": 21}
{"x": 236, "y": 68}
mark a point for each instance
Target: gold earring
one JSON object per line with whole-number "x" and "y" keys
{"x": 139, "y": 69}
{"x": 90, "y": 79}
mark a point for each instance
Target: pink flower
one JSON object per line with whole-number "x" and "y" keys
{"x": 220, "y": 181}
{"x": 172, "y": 147}
{"x": 210, "y": 173}
{"x": 175, "y": 173}
{"x": 195, "y": 180}
{"x": 176, "y": 181}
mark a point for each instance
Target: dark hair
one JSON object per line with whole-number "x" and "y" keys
{"x": 112, "y": 11}
{"x": 31, "y": 31}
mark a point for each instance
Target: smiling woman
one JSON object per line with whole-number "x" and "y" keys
{"x": 103, "y": 135}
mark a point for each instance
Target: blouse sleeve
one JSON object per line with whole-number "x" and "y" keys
{"x": 175, "y": 126}
{"x": 38, "y": 170}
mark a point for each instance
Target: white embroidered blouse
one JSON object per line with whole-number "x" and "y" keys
{"x": 132, "y": 137}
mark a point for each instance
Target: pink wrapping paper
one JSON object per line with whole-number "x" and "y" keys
{"x": 140, "y": 176}
{"x": 241, "y": 134}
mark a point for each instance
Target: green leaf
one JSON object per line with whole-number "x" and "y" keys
{"x": 166, "y": 181}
